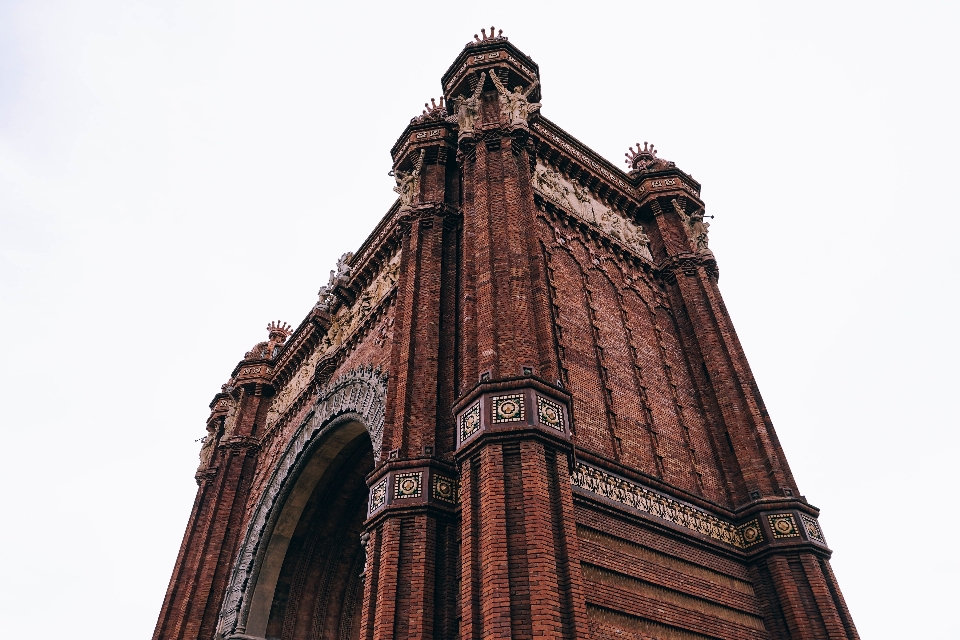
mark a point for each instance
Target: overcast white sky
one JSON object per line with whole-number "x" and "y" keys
{"x": 175, "y": 174}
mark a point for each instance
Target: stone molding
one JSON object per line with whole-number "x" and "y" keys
{"x": 360, "y": 394}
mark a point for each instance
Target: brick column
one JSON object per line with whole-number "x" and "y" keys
{"x": 209, "y": 547}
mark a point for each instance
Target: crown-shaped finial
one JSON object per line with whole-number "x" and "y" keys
{"x": 641, "y": 158}
{"x": 432, "y": 108}
{"x": 280, "y": 330}
{"x": 486, "y": 38}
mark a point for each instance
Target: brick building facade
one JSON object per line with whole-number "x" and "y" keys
{"x": 518, "y": 410}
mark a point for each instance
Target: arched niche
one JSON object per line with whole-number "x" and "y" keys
{"x": 321, "y": 472}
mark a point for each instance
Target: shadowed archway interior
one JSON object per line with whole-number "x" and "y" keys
{"x": 318, "y": 561}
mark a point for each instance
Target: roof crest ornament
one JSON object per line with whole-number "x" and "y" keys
{"x": 645, "y": 159}
{"x": 486, "y": 38}
{"x": 431, "y": 111}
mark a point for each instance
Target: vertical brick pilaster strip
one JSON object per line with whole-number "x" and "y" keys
{"x": 573, "y": 602}
{"x": 494, "y": 588}
{"x": 384, "y": 616}
{"x": 412, "y": 410}
{"x": 371, "y": 584}
{"x": 789, "y": 597}
{"x": 471, "y": 622}
{"x": 838, "y": 600}
{"x": 197, "y": 585}
{"x": 821, "y": 593}
{"x": 546, "y": 592}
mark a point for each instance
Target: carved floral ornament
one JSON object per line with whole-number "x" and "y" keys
{"x": 578, "y": 200}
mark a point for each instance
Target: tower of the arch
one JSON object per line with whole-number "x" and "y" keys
{"x": 518, "y": 410}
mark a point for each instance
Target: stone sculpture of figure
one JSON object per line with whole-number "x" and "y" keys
{"x": 468, "y": 108}
{"x": 584, "y": 202}
{"x": 325, "y": 296}
{"x": 550, "y": 184}
{"x": 408, "y": 183}
{"x": 516, "y": 105}
{"x": 699, "y": 227}
{"x": 206, "y": 451}
{"x": 637, "y": 240}
{"x": 343, "y": 269}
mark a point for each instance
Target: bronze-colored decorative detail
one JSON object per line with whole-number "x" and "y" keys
{"x": 751, "y": 533}
{"x": 408, "y": 485}
{"x": 470, "y": 422}
{"x": 814, "y": 532}
{"x": 508, "y": 408}
{"x": 445, "y": 489}
{"x": 783, "y": 525}
{"x": 378, "y": 496}
{"x": 658, "y": 505}
{"x": 550, "y": 413}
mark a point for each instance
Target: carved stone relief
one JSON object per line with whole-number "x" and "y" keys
{"x": 346, "y": 320}
{"x": 695, "y": 226}
{"x": 344, "y": 323}
{"x": 577, "y": 199}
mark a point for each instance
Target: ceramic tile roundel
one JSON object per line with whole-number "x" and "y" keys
{"x": 508, "y": 408}
{"x": 550, "y": 413}
{"x": 408, "y": 485}
{"x": 470, "y": 422}
{"x": 783, "y": 525}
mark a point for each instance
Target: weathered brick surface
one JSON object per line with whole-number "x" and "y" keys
{"x": 483, "y": 281}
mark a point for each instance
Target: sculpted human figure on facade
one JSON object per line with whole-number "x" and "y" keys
{"x": 516, "y": 105}
{"x": 468, "y": 108}
{"x": 408, "y": 183}
{"x": 697, "y": 228}
{"x": 206, "y": 450}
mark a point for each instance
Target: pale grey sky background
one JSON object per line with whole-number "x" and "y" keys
{"x": 175, "y": 174}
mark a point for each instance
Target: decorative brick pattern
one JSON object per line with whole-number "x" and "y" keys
{"x": 508, "y": 408}
{"x": 550, "y": 413}
{"x": 783, "y": 525}
{"x": 408, "y": 485}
